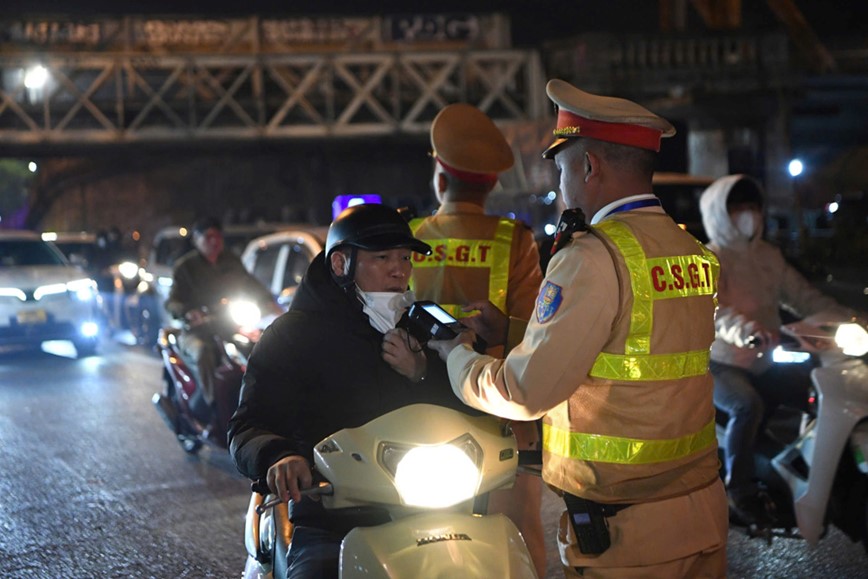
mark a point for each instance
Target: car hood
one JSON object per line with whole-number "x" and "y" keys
{"x": 38, "y": 275}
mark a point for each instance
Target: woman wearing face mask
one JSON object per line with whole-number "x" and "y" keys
{"x": 755, "y": 282}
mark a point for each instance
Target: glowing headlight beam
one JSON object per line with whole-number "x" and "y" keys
{"x": 12, "y": 292}
{"x": 244, "y": 313}
{"x": 436, "y": 476}
{"x": 128, "y": 270}
{"x": 852, "y": 339}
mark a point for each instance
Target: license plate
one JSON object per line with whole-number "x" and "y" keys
{"x": 32, "y": 317}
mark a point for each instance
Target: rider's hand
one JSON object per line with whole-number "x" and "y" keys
{"x": 288, "y": 476}
{"x": 444, "y": 347}
{"x": 490, "y": 323}
{"x": 764, "y": 338}
{"x": 404, "y": 354}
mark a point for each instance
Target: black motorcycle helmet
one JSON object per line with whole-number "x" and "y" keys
{"x": 372, "y": 227}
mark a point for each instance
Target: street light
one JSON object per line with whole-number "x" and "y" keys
{"x": 796, "y": 168}
{"x": 35, "y": 77}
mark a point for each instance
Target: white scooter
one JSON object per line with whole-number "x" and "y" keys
{"x": 821, "y": 477}
{"x": 423, "y": 465}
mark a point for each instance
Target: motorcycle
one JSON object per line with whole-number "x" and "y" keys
{"x": 820, "y": 475}
{"x": 235, "y": 326}
{"x": 419, "y": 468}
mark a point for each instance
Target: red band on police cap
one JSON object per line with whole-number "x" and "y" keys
{"x": 572, "y": 125}
{"x": 470, "y": 177}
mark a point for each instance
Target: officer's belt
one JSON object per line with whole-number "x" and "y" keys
{"x": 586, "y": 505}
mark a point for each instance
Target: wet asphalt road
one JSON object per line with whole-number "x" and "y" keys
{"x": 94, "y": 485}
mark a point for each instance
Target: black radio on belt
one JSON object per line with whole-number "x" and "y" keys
{"x": 588, "y": 519}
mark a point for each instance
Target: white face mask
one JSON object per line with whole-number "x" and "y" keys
{"x": 747, "y": 223}
{"x": 384, "y": 309}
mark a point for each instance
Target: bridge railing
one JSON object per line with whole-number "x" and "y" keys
{"x": 125, "y": 98}
{"x": 661, "y": 65}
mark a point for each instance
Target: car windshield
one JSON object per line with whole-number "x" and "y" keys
{"x": 81, "y": 251}
{"x": 23, "y": 252}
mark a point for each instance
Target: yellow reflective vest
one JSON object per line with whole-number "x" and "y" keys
{"x": 476, "y": 257}
{"x": 642, "y": 427}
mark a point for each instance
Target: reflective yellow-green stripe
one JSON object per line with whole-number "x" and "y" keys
{"x": 498, "y": 278}
{"x": 492, "y": 254}
{"x": 641, "y": 316}
{"x": 699, "y": 278}
{"x": 650, "y": 367}
{"x": 715, "y": 268}
{"x": 620, "y": 450}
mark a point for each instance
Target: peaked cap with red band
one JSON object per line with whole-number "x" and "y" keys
{"x": 468, "y": 144}
{"x": 611, "y": 119}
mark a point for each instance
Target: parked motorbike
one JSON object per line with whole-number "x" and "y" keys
{"x": 820, "y": 475}
{"x": 235, "y": 326}
{"x": 421, "y": 466}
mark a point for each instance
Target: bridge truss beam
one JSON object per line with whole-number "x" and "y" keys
{"x": 124, "y": 99}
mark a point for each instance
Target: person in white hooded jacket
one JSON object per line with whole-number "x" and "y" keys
{"x": 755, "y": 283}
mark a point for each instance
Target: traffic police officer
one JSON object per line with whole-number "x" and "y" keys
{"x": 478, "y": 257}
{"x": 474, "y": 256}
{"x": 615, "y": 360}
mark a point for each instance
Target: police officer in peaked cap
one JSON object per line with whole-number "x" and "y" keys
{"x": 614, "y": 358}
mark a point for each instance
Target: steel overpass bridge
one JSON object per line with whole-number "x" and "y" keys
{"x": 78, "y": 99}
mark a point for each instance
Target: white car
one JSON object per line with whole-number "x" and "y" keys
{"x": 280, "y": 260}
{"x": 43, "y": 297}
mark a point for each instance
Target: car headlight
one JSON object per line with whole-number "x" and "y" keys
{"x": 434, "y": 476}
{"x": 852, "y": 339}
{"x": 244, "y": 313}
{"x": 13, "y": 292}
{"x": 83, "y": 289}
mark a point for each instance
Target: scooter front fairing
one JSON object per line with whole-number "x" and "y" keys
{"x": 437, "y": 544}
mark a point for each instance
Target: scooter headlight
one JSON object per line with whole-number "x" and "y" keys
{"x": 128, "y": 270}
{"x": 852, "y": 339}
{"x": 434, "y": 476}
{"x": 244, "y": 313}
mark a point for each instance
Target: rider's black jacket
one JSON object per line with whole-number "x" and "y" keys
{"x": 316, "y": 370}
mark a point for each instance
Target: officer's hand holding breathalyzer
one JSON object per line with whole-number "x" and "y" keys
{"x": 428, "y": 323}
{"x": 444, "y": 347}
{"x": 490, "y": 323}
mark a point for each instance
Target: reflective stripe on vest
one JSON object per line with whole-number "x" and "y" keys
{"x": 615, "y": 449}
{"x": 491, "y": 254}
{"x": 655, "y": 279}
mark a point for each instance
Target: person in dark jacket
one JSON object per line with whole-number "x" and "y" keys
{"x": 334, "y": 361}
{"x": 201, "y": 280}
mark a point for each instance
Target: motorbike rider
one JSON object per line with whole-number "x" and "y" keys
{"x": 503, "y": 267}
{"x": 755, "y": 283}
{"x": 334, "y": 361}
{"x": 200, "y": 280}
{"x": 615, "y": 358}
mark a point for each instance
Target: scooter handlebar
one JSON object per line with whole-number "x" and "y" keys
{"x": 259, "y": 486}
